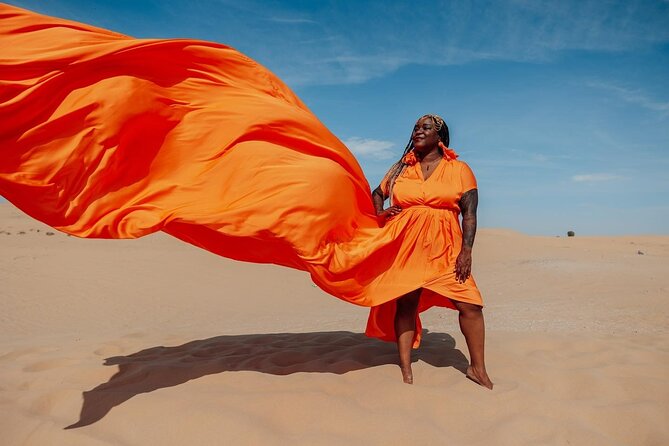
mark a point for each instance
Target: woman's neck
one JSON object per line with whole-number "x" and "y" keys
{"x": 430, "y": 156}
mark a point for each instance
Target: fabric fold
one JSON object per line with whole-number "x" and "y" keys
{"x": 104, "y": 135}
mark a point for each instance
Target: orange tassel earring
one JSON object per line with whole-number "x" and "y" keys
{"x": 448, "y": 153}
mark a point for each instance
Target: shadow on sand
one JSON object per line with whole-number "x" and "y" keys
{"x": 278, "y": 354}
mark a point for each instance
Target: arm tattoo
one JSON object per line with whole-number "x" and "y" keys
{"x": 468, "y": 204}
{"x": 378, "y": 198}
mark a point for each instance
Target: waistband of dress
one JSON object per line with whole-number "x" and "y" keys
{"x": 432, "y": 208}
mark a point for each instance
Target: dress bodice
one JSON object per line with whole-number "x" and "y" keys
{"x": 441, "y": 190}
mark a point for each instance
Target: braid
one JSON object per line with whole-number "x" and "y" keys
{"x": 396, "y": 170}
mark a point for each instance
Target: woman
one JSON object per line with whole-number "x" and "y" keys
{"x": 113, "y": 137}
{"x": 430, "y": 181}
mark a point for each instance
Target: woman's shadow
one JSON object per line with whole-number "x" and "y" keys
{"x": 278, "y": 354}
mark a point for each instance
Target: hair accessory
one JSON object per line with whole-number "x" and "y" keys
{"x": 410, "y": 158}
{"x": 438, "y": 121}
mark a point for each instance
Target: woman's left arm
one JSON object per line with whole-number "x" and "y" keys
{"x": 468, "y": 204}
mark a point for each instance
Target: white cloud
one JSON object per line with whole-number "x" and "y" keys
{"x": 331, "y": 43}
{"x": 321, "y": 43}
{"x": 456, "y": 33}
{"x": 595, "y": 177}
{"x": 292, "y": 20}
{"x": 370, "y": 148}
{"x": 633, "y": 96}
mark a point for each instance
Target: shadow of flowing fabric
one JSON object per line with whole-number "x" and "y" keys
{"x": 104, "y": 135}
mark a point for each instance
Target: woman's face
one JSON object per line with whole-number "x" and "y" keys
{"x": 425, "y": 136}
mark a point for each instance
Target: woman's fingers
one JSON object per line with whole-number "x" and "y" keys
{"x": 388, "y": 214}
{"x": 393, "y": 211}
{"x": 463, "y": 269}
{"x": 464, "y": 275}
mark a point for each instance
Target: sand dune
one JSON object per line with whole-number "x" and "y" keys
{"x": 153, "y": 341}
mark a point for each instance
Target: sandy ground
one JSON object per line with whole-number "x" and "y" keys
{"x": 154, "y": 342}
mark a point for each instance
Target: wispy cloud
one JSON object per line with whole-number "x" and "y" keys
{"x": 320, "y": 43}
{"x": 595, "y": 177}
{"x": 463, "y": 32}
{"x": 370, "y": 148}
{"x": 633, "y": 96}
{"x": 521, "y": 159}
{"x": 292, "y": 20}
{"x": 351, "y": 42}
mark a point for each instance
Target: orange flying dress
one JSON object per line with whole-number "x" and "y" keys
{"x": 103, "y": 135}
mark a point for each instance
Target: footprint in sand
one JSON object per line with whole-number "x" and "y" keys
{"x": 137, "y": 334}
{"x": 109, "y": 350}
{"x": 504, "y": 386}
{"x": 16, "y": 354}
{"x": 60, "y": 402}
{"x": 48, "y": 364}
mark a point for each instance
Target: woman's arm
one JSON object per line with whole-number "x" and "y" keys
{"x": 378, "y": 198}
{"x": 468, "y": 204}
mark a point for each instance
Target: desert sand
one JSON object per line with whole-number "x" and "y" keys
{"x": 156, "y": 342}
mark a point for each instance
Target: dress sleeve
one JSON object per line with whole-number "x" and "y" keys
{"x": 467, "y": 178}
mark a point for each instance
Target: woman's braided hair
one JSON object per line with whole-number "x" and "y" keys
{"x": 396, "y": 169}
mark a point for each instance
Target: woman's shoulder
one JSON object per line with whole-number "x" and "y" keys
{"x": 467, "y": 177}
{"x": 452, "y": 156}
{"x": 460, "y": 164}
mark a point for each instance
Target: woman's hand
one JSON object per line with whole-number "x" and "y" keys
{"x": 463, "y": 265}
{"x": 388, "y": 214}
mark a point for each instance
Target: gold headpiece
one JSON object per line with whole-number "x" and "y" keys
{"x": 438, "y": 121}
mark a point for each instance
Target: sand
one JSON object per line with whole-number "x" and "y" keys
{"x": 155, "y": 342}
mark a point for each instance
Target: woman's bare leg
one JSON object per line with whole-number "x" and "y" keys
{"x": 405, "y": 329}
{"x": 473, "y": 328}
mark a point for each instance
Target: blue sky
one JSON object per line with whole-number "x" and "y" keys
{"x": 560, "y": 107}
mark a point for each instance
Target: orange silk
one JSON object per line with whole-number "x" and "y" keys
{"x": 103, "y": 135}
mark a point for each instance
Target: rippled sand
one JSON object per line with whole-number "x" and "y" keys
{"x": 153, "y": 341}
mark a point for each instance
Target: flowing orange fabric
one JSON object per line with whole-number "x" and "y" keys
{"x": 103, "y": 135}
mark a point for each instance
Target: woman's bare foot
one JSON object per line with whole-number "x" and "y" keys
{"x": 407, "y": 375}
{"x": 480, "y": 377}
